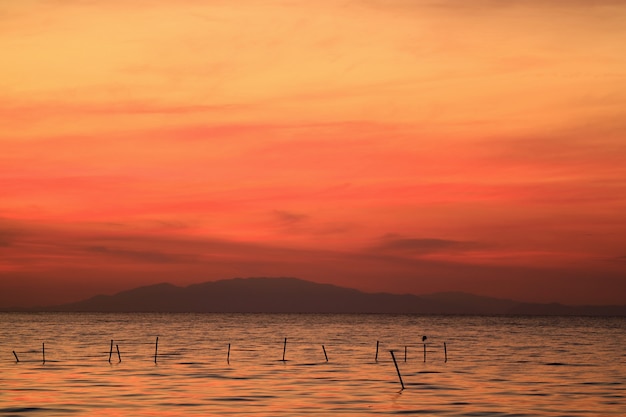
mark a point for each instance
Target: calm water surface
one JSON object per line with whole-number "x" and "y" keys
{"x": 497, "y": 366}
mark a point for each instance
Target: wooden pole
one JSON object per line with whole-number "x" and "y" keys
{"x": 111, "y": 351}
{"x": 405, "y": 353}
{"x": 325, "y": 355}
{"x": 397, "y": 369}
{"x": 284, "y": 348}
{"x": 43, "y": 352}
{"x": 445, "y": 351}
{"x": 228, "y": 355}
{"x": 118, "y": 353}
{"x": 16, "y": 358}
{"x": 156, "y": 349}
{"x": 424, "y": 352}
{"x": 376, "y": 358}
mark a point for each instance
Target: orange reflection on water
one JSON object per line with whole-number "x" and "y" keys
{"x": 531, "y": 366}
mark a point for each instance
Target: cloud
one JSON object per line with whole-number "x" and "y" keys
{"x": 33, "y": 110}
{"x": 396, "y": 243}
{"x": 143, "y": 255}
{"x": 6, "y": 238}
{"x": 10, "y": 232}
{"x": 289, "y": 218}
{"x": 477, "y": 5}
{"x": 303, "y": 224}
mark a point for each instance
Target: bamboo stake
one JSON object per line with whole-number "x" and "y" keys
{"x": 118, "y": 353}
{"x": 228, "y": 355}
{"x": 156, "y": 349}
{"x": 397, "y": 369}
{"x": 284, "y": 348}
{"x": 111, "y": 351}
{"x": 16, "y": 358}
{"x": 325, "y": 355}
{"x": 376, "y": 358}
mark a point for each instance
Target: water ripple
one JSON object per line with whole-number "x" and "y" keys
{"x": 497, "y": 366}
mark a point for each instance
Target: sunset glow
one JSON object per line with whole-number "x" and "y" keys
{"x": 397, "y": 146}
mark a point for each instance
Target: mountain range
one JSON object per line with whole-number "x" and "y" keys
{"x": 292, "y": 295}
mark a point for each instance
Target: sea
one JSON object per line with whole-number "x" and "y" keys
{"x": 67, "y": 364}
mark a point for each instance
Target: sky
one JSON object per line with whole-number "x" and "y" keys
{"x": 404, "y": 146}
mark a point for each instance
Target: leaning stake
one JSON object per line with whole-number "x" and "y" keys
{"x": 376, "y": 358}
{"x": 325, "y": 355}
{"x": 16, "y": 358}
{"x": 445, "y": 352}
{"x": 111, "y": 351}
{"x": 43, "y": 352}
{"x": 397, "y": 369}
{"x": 156, "y": 349}
{"x": 424, "y": 352}
{"x": 118, "y": 353}
{"x": 228, "y": 355}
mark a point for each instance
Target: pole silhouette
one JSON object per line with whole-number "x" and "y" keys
{"x": 284, "y": 349}
{"x": 397, "y": 369}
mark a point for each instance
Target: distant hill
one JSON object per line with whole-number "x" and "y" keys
{"x": 291, "y": 295}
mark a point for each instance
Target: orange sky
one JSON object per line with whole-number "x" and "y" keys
{"x": 385, "y": 145}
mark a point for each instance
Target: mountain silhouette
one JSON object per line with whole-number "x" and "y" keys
{"x": 292, "y": 295}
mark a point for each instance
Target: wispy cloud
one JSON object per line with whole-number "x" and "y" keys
{"x": 6, "y": 238}
{"x": 289, "y": 218}
{"x": 142, "y": 256}
{"x": 397, "y": 243}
